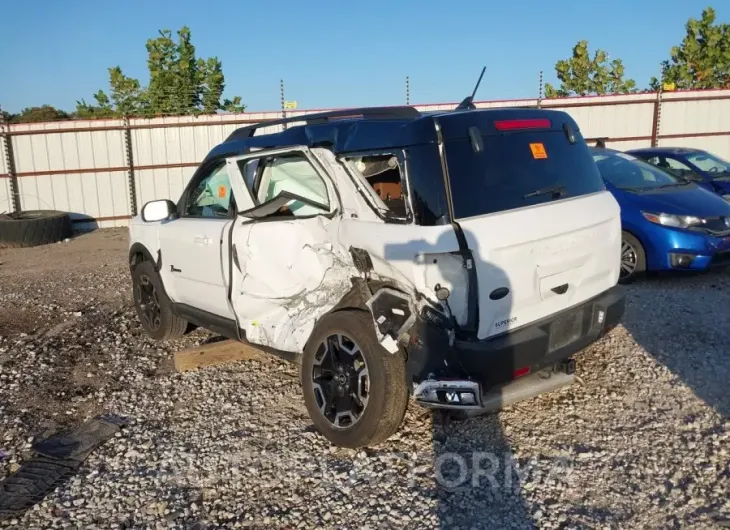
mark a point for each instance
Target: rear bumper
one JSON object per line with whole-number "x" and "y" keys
{"x": 494, "y": 362}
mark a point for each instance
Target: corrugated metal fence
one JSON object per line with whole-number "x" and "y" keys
{"x": 83, "y": 166}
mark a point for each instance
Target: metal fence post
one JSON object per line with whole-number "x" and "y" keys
{"x": 130, "y": 166}
{"x": 283, "y": 104}
{"x": 656, "y": 123}
{"x": 10, "y": 163}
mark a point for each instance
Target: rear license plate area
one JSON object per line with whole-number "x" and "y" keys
{"x": 565, "y": 330}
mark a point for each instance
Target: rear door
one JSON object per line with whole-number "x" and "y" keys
{"x": 285, "y": 265}
{"x": 535, "y": 213}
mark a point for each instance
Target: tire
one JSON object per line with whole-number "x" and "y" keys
{"x": 34, "y": 227}
{"x": 385, "y": 383}
{"x": 147, "y": 289}
{"x": 631, "y": 246}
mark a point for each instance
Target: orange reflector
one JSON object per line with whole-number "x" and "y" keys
{"x": 521, "y": 371}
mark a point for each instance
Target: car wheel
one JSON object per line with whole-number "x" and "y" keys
{"x": 633, "y": 258}
{"x": 154, "y": 308}
{"x": 355, "y": 390}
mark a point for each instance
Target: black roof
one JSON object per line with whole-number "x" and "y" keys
{"x": 376, "y": 128}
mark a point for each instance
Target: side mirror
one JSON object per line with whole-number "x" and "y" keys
{"x": 158, "y": 210}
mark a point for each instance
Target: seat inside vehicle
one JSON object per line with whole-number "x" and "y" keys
{"x": 383, "y": 173}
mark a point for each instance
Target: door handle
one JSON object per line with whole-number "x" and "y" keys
{"x": 202, "y": 240}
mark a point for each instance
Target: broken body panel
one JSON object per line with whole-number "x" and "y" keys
{"x": 507, "y": 273}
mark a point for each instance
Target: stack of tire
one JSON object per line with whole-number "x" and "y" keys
{"x": 34, "y": 227}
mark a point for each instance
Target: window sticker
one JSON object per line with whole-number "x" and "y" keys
{"x": 538, "y": 151}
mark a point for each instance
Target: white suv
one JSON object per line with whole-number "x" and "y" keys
{"x": 461, "y": 258}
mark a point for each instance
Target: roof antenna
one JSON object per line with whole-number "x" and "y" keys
{"x": 468, "y": 102}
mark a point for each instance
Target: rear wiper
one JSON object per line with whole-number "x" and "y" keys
{"x": 556, "y": 191}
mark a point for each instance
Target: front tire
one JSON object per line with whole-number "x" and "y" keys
{"x": 154, "y": 308}
{"x": 633, "y": 258}
{"x": 354, "y": 390}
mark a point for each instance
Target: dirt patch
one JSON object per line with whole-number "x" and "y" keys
{"x": 85, "y": 251}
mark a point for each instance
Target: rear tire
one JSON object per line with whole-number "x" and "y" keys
{"x": 34, "y": 227}
{"x": 154, "y": 308}
{"x": 354, "y": 390}
{"x": 633, "y": 258}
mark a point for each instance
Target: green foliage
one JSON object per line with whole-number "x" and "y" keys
{"x": 42, "y": 113}
{"x": 582, "y": 75}
{"x": 703, "y": 58}
{"x": 179, "y": 84}
{"x": 103, "y": 108}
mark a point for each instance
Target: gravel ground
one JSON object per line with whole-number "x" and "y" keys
{"x": 643, "y": 442}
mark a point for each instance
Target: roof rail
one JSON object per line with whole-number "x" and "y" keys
{"x": 370, "y": 113}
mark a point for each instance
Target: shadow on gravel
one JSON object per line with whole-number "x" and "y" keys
{"x": 476, "y": 480}
{"x": 684, "y": 323}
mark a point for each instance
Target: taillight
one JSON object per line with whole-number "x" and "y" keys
{"x": 520, "y": 372}
{"x": 511, "y": 125}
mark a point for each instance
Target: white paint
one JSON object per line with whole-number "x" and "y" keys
{"x": 574, "y": 241}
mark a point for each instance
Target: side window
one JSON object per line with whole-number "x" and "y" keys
{"x": 385, "y": 176}
{"x": 211, "y": 198}
{"x": 681, "y": 169}
{"x": 294, "y": 174}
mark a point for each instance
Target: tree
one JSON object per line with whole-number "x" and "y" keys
{"x": 103, "y": 109}
{"x": 582, "y": 75}
{"x": 703, "y": 58}
{"x": 42, "y": 113}
{"x": 180, "y": 83}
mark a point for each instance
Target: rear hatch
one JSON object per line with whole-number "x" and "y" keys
{"x": 534, "y": 212}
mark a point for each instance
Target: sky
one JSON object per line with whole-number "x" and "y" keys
{"x": 332, "y": 53}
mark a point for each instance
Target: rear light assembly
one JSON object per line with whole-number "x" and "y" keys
{"x": 512, "y": 125}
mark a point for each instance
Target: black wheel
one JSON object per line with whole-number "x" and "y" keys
{"x": 154, "y": 308}
{"x": 355, "y": 390}
{"x": 633, "y": 258}
{"x": 34, "y": 227}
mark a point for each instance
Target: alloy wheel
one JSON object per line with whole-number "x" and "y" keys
{"x": 629, "y": 259}
{"x": 340, "y": 380}
{"x": 146, "y": 295}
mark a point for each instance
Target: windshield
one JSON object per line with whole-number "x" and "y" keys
{"x": 518, "y": 169}
{"x": 710, "y": 164}
{"x": 629, "y": 173}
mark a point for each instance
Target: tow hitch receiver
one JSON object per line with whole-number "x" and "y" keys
{"x": 566, "y": 367}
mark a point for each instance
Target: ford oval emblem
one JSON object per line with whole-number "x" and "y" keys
{"x": 498, "y": 293}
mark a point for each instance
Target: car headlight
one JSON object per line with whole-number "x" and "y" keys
{"x": 726, "y": 197}
{"x": 676, "y": 221}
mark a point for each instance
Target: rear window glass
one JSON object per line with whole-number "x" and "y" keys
{"x": 513, "y": 169}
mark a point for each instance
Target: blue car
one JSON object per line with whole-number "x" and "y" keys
{"x": 707, "y": 170}
{"x": 668, "y": 223}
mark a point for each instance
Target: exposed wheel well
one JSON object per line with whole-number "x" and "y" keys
{"x": 139, "y": 253}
